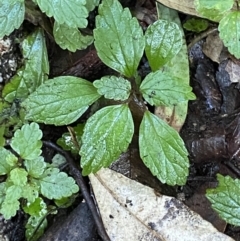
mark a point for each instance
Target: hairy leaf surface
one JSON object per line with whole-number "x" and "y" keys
{"x": 159, "y": 88}
{"x": 11, "y": 16}
{"x": 112, "y": 87}
{"x": 118, "y": 37}
{"x": 229, "y": 28}
{"x": 70, "y": 38}
{"x": 71, "y": 12}
{"x": 162, "y": 150}
{"x": 163, "y": 42}
{"x": 225, "y": 199}
{"x": 26, "y": 141}
{"x": 60, "y": 101}
{"x": 106, "y": 135}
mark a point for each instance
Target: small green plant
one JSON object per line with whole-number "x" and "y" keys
{"x": 120, "y": 44}
{"x": 221, "y": 11}
{"x": 69, "y": 16}
{"x": 30, "y": 181}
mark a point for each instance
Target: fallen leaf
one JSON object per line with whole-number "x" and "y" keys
{"x": 132, "y": 212}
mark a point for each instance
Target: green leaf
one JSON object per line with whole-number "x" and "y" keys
{"x": 38, "y": 208}
{"x": 112, "y": 87}
{"x": 159, "y": 88}
{"x": 35, "y": 167}
{"x": 58, "y": 160}
{"x": 55, "y": 184}
{"x": 34, "y": 72}
{"x": 213, "y": 9}
{"x": 35, "y": 227}
{"x": 106, "y": 135}
{"x": 163, "y": 42}
{"x": 26, "y": 141}
{"x": 162, "y": 150}
{"x": 229, "y": 28}
{"x": 225, "y": 199}
{"x": 11, "y": 16}
{"x": 60, "y": 101}
{"x": 71, "y": 12}
{"x": 118, "y": 37}
{"x": 196, "y": 25}
{"x": 18, "y": 176}
{"x": 90, "y": 5}
{"x": 2, "y": 131}
{"x": 30, "y": 191}
{"x": 2, "y": 191}
{"x": 5, "y": 167}
{"x": 70, "y": 38}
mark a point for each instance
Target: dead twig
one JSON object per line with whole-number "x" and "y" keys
{"x": 81, "y": 183}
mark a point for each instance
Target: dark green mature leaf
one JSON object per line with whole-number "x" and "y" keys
{"x": 11, "y": 16}
{"x": 163, "y": 42}
{"x": 196, "y": 24}
{"x": 159, "y": 88}
{"x": 225, "y": 199}
{"x": 106, "y": 135}
{"x": 35, "y": 70}
{"x": 229, "y": 28}
{"x": 60, "y": 101}
{"x": 56, "y": 185}
{"x": 213, "y": 9}
{"x": 70, "y": 38}
{"x": 26, "y": 141}
{"x": 118, "y": 37}
{"x": 162, "y": 150}
{"x": 112, "y": 87}
{"x": 71, "y": 12}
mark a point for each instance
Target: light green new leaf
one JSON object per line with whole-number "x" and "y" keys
{"x": 229, "y": 28}
{"x": 225, "y": 199}
{"x": 71, "y": 12}
{"x": 70, "y": 38}
{"x": 106, "y": 135}
{"x": 112, "y": 87}
{"x": 35, "y": 167}
{"x": 91, "y": 4}
{"x": 118, "y": 37}
{"x": 11, "y": 16}
{"x": 35, "y": 70}
{"x": 55, "y": 184}
{"x": 162, "y": 150}
{"x": 30, "y": 191}
{"x": 60, "y": 101}
{"x": 2, "y": 191}
{"x": 213, "y": 9}
{"x": 163, "y": 42}
{"x": 26, "y": 141}
{"x": 18, "y": 176}
{"x": 5, "y": 167}
{"x": 38, "y": 208}
{"x": 15, "y": 1}
{"x": 159, "y": 88}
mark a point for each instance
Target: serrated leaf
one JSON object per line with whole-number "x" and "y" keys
{"x": 225, "y": 199}
{"x": 55, "y": 184}
{"x": 213, "y": 9}
{"x": 90, "y": 5}
{"x": 11, "y": 16}
{"x": 196, "y": 25}
{"x": 229, "y": 28}
{"x": 71, "y": 12}
{"x": 30, "y": 191}
{"x": 2, "y": 191}
{"x": 60, "y": 101}
{"x": 38, "y": 208}
{"x": 112, "y": 87}
{"x": 26, "y": 141}
{"x": 58, "y": 160}
{"x": 159, "y": 88}
{"x": 14, "y": 1}
{"x": 35, "y": 227}
{"x": 35, "y": 167}
{"x": 165, "y": 155}
{"x": 5, "y": 168}
{"x": 118, "y": 37}
{"x": 34, "y": 72}
{"x": 18, "y": 176}
{"x": 106, "y": 135}
{"x": 70, "y": 38}
{"x": 163, "y": 42}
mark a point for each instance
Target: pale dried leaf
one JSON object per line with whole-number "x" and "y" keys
{"x": 132, "y": 212}
{"x": 233, "y": 70}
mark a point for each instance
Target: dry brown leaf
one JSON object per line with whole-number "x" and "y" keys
{"x": 132, "y": 212}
